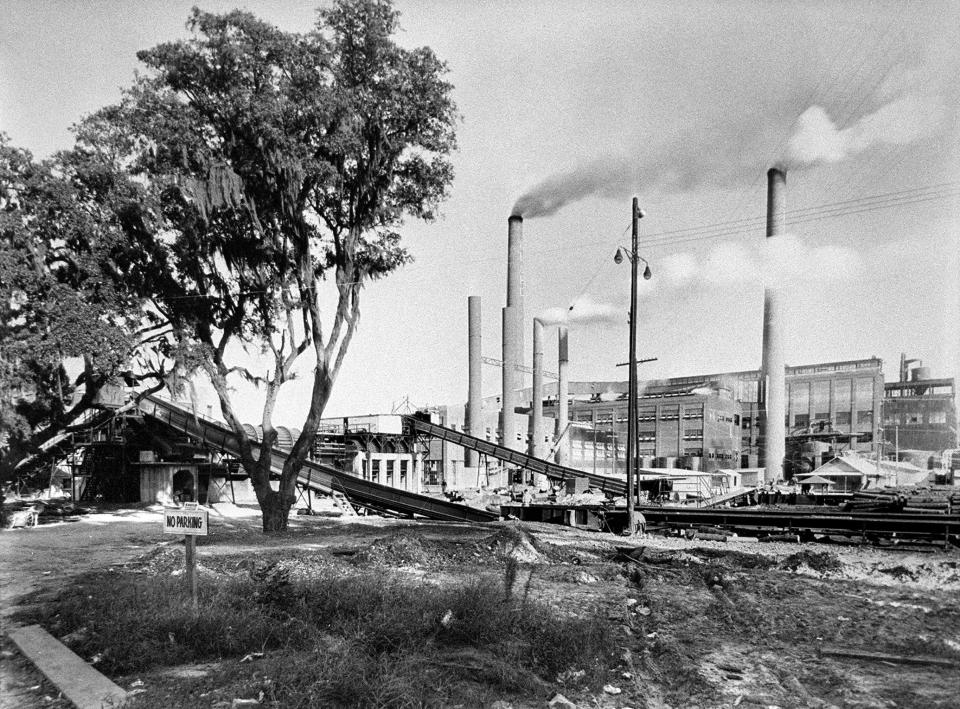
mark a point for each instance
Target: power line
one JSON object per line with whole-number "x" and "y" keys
{"x": 814, "y": 208}
{"x": 801, "y": 215}
{"x": 792, "y": 217}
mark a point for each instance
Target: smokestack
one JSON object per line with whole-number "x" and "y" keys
{"x": 508, "y": 401}
{"x": 773, "y": 368}
{"x": 536, "y": 433}
{"x": 475, "y": 377}
{"x": 563, "y": 387}
{"x": 515, "y": 263}
{"x": 515, "y": 292}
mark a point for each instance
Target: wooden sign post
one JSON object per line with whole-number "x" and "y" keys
{"x": 190, "y": 521}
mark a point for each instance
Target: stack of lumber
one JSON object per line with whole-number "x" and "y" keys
{"x": 937, "y": 499}
{"x": 871, "y": 502}
{"x": 712, "y": 534}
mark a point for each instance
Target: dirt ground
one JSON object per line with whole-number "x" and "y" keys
{"x": 705, "y": 624}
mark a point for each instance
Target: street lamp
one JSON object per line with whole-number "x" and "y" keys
{"x": 632, "y": 470}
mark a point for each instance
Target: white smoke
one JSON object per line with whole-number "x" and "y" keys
{"x": 609, "y": 395}
{"x": 785, "y": 260}
{"x": 817, "y": 139}
{"x": 583, "y": 311}
{"x": 726, "y": 153}
{"x": 678, "y": 166}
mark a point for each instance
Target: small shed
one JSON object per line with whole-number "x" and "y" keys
{"x": 851, "y": 472}
{"x": 815, "y": 481}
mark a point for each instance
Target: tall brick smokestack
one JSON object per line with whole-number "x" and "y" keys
{"x": 513, "y": 330}
{"x": 475, "y": 377}
{"x": 515, "y": 294}
{"x": 563, "y": 392}
{"x": 515, "y": 263}
{"x": 536, "y": 424}
{"x": 772, "y": 372}
{"x": 508, "y": 401}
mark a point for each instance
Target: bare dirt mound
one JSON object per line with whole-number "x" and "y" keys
{"x": 514, "y": 542}
{"x": 404, "y": 548}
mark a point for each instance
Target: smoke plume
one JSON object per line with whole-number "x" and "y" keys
{"x": 583, "y": 311}
{"x": 717, "y": 156}
{"x": 817, "y": 139}
{"x": 785, "y": 260}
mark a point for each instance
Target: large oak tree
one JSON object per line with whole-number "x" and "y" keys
{"x": 281, "y": 167}
{"x": 68, "y": 289}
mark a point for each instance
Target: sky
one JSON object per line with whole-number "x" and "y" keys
{"x": 568, "y": 110}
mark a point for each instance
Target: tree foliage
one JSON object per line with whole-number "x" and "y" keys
{"x": 66, "y": 291}
{"x": 279, "y": 168}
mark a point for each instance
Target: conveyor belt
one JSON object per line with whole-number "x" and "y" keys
{"x": 553, "y": 471}
{"x": 315, "y": 476}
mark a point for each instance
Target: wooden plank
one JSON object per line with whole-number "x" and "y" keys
{"x": 79, "y": 682}
{"x": 884, "y": 657}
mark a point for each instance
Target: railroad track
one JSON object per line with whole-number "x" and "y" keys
{"x": 907, "y": 527}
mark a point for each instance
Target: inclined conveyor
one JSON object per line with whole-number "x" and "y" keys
{"x": 615, "y": 486}
{"x": 314, "y": 476}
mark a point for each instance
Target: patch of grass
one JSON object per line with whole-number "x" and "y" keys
{"x": 349, "y": 637}
{"x": 135, "y": 623}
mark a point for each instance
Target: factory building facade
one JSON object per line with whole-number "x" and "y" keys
{"x": 919, "y": 415}
{"x": 715, "y": 421}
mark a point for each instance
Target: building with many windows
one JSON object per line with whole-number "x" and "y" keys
{"x": 713, "y": 421}
{"x": 919, "y": 413}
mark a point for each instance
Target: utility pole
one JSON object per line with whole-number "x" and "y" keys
{"x": 632, "y": 386}
{"x": 635, "y": 258}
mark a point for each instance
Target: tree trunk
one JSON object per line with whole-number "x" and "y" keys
{"x": 276, "y": 511}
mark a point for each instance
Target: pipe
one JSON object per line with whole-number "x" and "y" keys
{"x": 563, "y": 388}
{"x": 773, "y": 367}
{"x": 508, "y": 401}
{"x": 475, "y": 378}
{"x": 536, "y": 424}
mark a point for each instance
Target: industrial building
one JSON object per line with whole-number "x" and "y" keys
{"x": 919, "y": 413}
{"x": 779, "y": 420}
{"x": 713, "y": 421}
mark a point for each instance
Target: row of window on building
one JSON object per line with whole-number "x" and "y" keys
{"x": 372, "y": 469}
{"x": 914, "y": 418}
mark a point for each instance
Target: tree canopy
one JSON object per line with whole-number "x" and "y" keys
{"x": 67, "y": 290}
{"x": 270, "y": 175}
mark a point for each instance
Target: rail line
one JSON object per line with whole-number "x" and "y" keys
{"x": 939, "y": 528}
